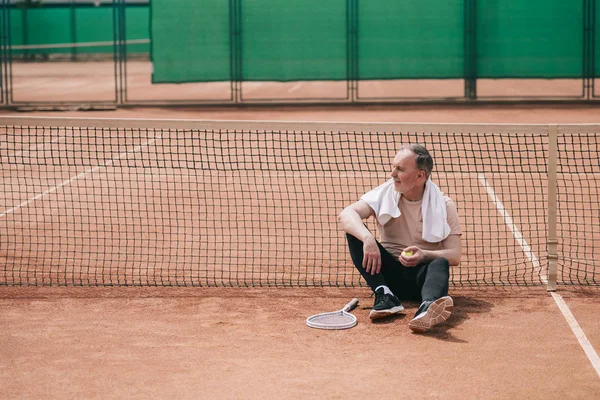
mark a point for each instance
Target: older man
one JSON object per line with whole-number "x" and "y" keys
{"x": 420, "y": 238}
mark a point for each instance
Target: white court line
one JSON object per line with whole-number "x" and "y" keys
{"x": 511, "y": 225}
{"x": 80, "y": 175}
{"x": 589, "y": 350}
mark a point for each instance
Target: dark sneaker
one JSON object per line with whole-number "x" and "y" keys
{"x": 385, "y": 304}
{"x": 431, "y": 313}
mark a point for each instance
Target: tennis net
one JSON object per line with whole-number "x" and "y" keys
{"x": 118, "y": 202}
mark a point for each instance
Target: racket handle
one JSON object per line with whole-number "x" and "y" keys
{"x": 350, "y": 306}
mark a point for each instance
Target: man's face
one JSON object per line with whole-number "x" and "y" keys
{"x": 406, "y": 176}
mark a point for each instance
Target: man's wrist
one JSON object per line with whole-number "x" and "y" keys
{"x": 428, "y": 255}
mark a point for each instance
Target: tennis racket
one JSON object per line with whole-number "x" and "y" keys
{"x": 341, "y": 319}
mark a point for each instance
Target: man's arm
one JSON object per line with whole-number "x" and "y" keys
{"x": 451, "y": 250}
{"x": 351, "y": 219}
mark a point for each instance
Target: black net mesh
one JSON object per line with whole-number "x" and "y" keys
{"x": 221, "y": 207}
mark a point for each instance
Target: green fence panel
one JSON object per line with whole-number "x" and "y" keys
{"x": 52, "y": 24}
{"x": 529, "y": 39}
{"x": 190, "y": 41}
{"x": 303, "y": 40}
{"x": 410, "y": 39}
{"x": 137, "y": 22}
{"x": 43, "y": 26}
{"x": 48, "y": 26}
{"x": 16, "y": 27}
{"x": 95, "y": 24}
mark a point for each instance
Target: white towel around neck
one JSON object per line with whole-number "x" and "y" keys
{"x": 384, "y": 201}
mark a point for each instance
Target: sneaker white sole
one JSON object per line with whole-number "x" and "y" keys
{"x": 439, "y": 311}
{"x": 376, "y": 314}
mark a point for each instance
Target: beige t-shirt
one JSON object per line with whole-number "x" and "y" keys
{"x": 407, "y": 229}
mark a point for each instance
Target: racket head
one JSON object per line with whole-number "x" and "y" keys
{"x": 341, "y": 319}
{"x": 332, "y": 320}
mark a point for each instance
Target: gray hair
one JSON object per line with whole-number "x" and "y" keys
{"x": 422, "y": 157}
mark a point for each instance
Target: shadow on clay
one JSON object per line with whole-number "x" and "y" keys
{"x": 464, "y": 306}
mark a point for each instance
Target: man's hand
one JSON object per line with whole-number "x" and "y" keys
{"x": 371, "y": 256}
{"x": 413, "y": 260}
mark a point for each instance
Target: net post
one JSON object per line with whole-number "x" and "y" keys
{"x": 470, "y": 49}
{"x": 552, "y": 212}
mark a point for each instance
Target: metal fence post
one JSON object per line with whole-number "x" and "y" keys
{"x": 470, "y": 49}
{"x": 235, "y": 11}
{"x": 73, "y": 28}
{"x": 3, "y": 38}
{"x": 352, "y": 50}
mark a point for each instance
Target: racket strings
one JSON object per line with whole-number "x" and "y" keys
{"x": 336, "y": 320}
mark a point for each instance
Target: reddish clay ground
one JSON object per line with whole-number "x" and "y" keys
{"x": 252, "y": 343}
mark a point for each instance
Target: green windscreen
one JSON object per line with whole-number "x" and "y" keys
{"x": 303, "y": 40}
{"x": 79, "y": 24}
{"x": 410, "y": 39}
{"x": 529, "y": 39}
{"x": 50, "y": 26}
{"x": 100, "y": 30}
{"x": 190, "y": 41}
{"x": 210, "y": 40}
{"x": 137, "y": 21}
{"x": 16, "y": 27}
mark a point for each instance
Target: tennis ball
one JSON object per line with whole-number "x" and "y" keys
{"x": 407, "y": 253}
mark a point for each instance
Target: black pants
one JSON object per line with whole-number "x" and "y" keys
{"x": 428, "y": 281}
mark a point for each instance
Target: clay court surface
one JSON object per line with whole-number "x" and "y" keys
{"x": 500, "y": 343}
{"x": 54, "y": 82}
{"x": 252, "y": 343}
